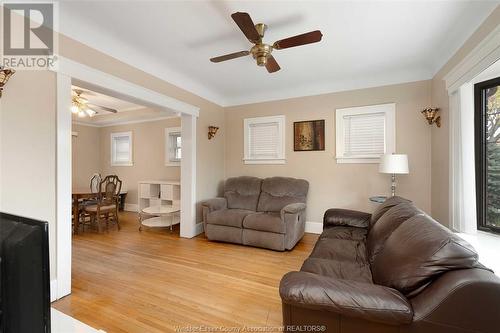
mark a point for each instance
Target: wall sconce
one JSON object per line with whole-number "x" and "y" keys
{"x": 431, "y": 115}
{"x": 5, "y": 75}
{"x": 211, "y": 131}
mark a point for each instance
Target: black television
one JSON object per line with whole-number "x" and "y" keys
{"x": 24, "y": 275}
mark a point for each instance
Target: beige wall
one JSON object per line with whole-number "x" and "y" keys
{"x": 440, "y": 136}
{"x": 91, "y": 153}
{"x": 148, "y": 155}
{"x": 86, "y": 155}
{"x": 342, "y": 185}
{"x": 28, "y": 149}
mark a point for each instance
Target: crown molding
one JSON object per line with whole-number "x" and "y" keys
{"x": 122, "y": 122}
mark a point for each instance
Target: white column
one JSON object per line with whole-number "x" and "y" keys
{"x": 63, "y": 186}
{"x": 188, "y": 176}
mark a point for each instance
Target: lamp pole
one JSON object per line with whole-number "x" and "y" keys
{"x": 393, "y": 184}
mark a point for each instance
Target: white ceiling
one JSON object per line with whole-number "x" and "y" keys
{"x": 365, "y": 43}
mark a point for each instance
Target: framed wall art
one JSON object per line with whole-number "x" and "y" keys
{"x": 309, "y": 135}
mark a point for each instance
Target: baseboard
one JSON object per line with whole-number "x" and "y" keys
{"x": 131, "y": 207}
{"x": 53, "y": 290}
{"x": 314, "y": 227}
{"x": 198, "y": 229}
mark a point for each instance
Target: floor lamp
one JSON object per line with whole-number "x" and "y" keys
{"x": 394, "y": 164}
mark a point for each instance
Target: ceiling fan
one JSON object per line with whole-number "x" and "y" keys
{"x": 82, "y": 107}
{"x": 261, "y": 52}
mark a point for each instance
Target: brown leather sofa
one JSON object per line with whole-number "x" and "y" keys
{"x": 396, "y": 270}
{"x": 268, "y": 213}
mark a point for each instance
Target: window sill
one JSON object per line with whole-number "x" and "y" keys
{"x": 121, "y": 164}
{"x": 347, "y": 160}
{"x": 173, "y": 164}
{"x": 488, "y": 247}
{"x": 274, "y": 161}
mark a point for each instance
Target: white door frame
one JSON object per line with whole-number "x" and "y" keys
{"x": 67, "y": 71}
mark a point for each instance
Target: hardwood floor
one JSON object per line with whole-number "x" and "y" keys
{"x": 155, "y": 281}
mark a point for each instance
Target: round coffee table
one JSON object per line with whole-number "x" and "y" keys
{"x": 159, "y": 217}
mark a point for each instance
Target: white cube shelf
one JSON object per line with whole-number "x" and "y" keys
{"x": 159, "y": 193}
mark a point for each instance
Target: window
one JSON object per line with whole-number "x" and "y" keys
{"x": 487, "y": 150}
{"x": 264, "y": 140}
{"x": 121, "y": 149}
{"x": 173, "y": 146}
{"x": 365, "y": 133}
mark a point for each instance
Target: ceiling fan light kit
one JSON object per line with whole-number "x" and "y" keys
{"x": 261, "y": 52}
{"x": 82, "y": 107}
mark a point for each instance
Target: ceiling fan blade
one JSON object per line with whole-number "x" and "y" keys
{"x": 230, "y": 56}
{"x": 103, "y": 108}
{"x": 271, "y": 65}
{"x": 307, "y": 38}
{"x": 78, "y": 92}
{"x": 245, "y": 23}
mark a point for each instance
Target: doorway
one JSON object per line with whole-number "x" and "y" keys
{"x": 69, "y": 72}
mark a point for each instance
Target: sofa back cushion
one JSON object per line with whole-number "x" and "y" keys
{"x": 386, "y": 225}
{"x": 277, "y": 192}
{"x": 418, "y": 252}
{"x": 383, "y": 208}
{"x": 242, "y": 192}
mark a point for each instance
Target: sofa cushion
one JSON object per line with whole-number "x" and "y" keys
{"x": 277, "y": 192}
{"x": 386, "y": 225}
{"x": 270, "y": 222}
{"x": 341, "y": 250}
{"x": 350, "y": 233}
{"x": 417, "y": 252}
{"x": 242, "y": 192}
{"x": 346, "y": 270}
{"x": 228, "y": 217}
{"x": 384, "y": 207}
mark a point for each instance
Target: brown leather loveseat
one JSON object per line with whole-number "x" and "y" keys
{"x": 396, "y": 270}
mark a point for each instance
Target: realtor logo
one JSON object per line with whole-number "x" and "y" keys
{"x": 28, "y": 35}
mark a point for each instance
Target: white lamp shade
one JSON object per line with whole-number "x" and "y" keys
{"x": 394, "y": 163}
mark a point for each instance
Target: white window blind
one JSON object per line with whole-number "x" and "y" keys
{"x": 264, "y": 140}
{"x": 173, "y": 146}
{"x": 364, "y": 134}
{"x": 121, "y": 149}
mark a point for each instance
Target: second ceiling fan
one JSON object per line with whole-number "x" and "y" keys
{"x": 261, "y": 52}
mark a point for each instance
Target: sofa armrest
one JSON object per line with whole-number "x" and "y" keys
{"x": 345, "y": 297}
{"x": 346, "y": 217}
{"x": 215, "y": 204}
{"x": 294, "y": 208}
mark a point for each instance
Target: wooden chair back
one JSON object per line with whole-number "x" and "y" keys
{"x": 95, "y": 181}
{"x": 109, "y": 189}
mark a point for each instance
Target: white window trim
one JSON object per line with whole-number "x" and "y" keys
{"x": 281, "y": 128}
{"x": 130, "y": 161}
{"x": 168, "y": 131}
{"x": 390, "y": 135}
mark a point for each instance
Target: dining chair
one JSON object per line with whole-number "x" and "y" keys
{"x": 107, "y": 203}
{"x": 95, "y": 180}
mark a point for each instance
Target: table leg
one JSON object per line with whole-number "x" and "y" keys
{"x": 171, "y": 221}
{"x": 140, "y": 221}
{"x": 76, "y": 220}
